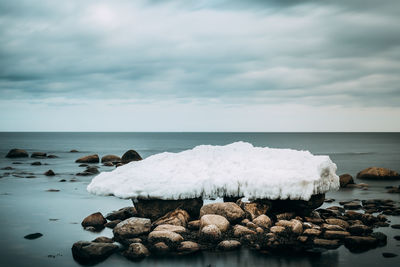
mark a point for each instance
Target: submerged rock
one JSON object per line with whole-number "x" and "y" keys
{"x": 130, "y": 155}
{"x": 231, "y": 211}
{"x": 33, "y": 236}
{"x": 88, "y": 159}
{"x": 91, "y": 252}
{"x": 49, "y": 173}
{"x": 165, "y": 236}
{"x": 38, "y": 155}
{"x": 360, "y": 243}
{"x": 17, "y": 153}
{"x": 155, "y": 208}
{"x": 136, "y": 251}
{"x": 378, "y": 173}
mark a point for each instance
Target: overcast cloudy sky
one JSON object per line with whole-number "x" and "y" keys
{"x": 277, "y": 65}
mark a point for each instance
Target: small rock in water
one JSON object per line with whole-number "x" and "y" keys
{"x": 62, "y": 180}
{"x": 33, "y": 236}
{"x": 52, "y": 156}
{"x": 17, "y": 153}
{"x": 329, "y": 200}
{"x": 397, "y": 237}
{"x": 8, "y": 168}
{"x": 36, "y": 163}
{"x": 95, "y": 220}
{"x": 130, "y": 155}
{"x": 389, "y": 255}
{"x": 89, "y": 159}
{"x": 73, "y": 151}
{"x": 92, "y": 252}
{"x": 52, "y": 190}
{"x": 49, "y": 173}
{"x": 395, "y": 226}
{"x": 83, "y": 165}
{"x": 38, "y": 155}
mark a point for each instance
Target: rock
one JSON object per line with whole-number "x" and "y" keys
{"x": 213, "y": 219}
{"x": 295, "y": 225}
{"x": 336, "y": 234}
{"x": 389, "y": 255}
{"x": 353, "y": 205}
{"x": 131, "y": 227}
{"x": 397, "y": 237}
{"x": 229, "y": 245}
{"x": 62, "y": 180}
{"x": 239, "y": 230}
{"x": 130, "y": 155}
{"x": 378, "y": 173}
{"x": 88, "y": 159}
{"x": 277, "y": 229}
{"x": 90, "y": 170}
{"x": 285, "y": 216}
{"x": 169, "y": 227}
{"x": 312, "y": 232}
{"x": 73, "y": 151}
{"x": 33, "y": 236}
{"x": 353, "y": 215}
{"x": 136, "y": 251}
{"x": 103, "y": 239}
{"x": 38, "y": 155}
{"x": 52, "y": 156}
{"x": 188, "y": 247}
{"x": 325, "y": 243}
{"x": 49, "y": 173}
{"x": 155, "y": 208}
{"x": 108, "y": 164}
{"x": 360, "y": 243}
{"x": 211, "y": 233}
{"x": 17, "y": 153}
{"x": 302, "y": 238}
{"x": 194, "y": 225}
{"x": 232, "y": 212}
{"x": 395, "y": 226}
{"x": 345, "y": 179}
{"x": 112, "y": 224}
{"x": 359, "y": 229}
{"x": 95, "y": 220}
{"x": 165, "y": 236}
{"x": 122, "y": 214}
{"x": 263, "y": 221}
{"x": 339, "y": 222}
{"x": 177, "y": 217}
{"x": 332, "y": 227}
{"x": 160, "y": 248}
{"x": 36, "y": 163}
{"x": 92, "y": 252}
{"x": 254, "y": 209}
{"x": 83, "y": 165}
{"x": 110, "y": 158}
{"x": 52, "y": 190}
{"x": 301, "y": 207}
{"x": 8, "y": 168}
{"x": 381, "y": 237}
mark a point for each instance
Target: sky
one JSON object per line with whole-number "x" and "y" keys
{"x": 183, "y": 65}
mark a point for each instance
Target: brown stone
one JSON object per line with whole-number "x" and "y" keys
{"x": 194, "y": 225}
{"x": 378, "y": 173}
{"x": 122, "y": 214}
{"x": 110, "y": 158}
{"x": 211, "y": 233}
{"x": 88, "y": 159}
{"x": 325, "y": 243}
{"x": 103, "y": 239}
{"x": 339, "y": 222}
{"x": 336, "y": 234}
{"x": 177, "y": 217}
{"x": 155, "y": 208}
{"x": 213, "y": 219}
{"x": 131, "y": 227}
{"x": 96, "y": 220}
{"x": 17, "y": 153}
{"x": 240, "y": 230}
{"x": 345, "y": 179}
{"x": 165, "y": 236}
{"x": 49, "y": 173}
{"x": 229, "y": 245}
{"x": 172, "y": 228}
{"x": 188, "y": 247}
{"x": 254, "y": 209}
{"x": 136, "y": 251}
{"x": 92, "y": 252}
{"x": 231, "y": 211}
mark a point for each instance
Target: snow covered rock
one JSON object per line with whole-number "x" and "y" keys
{"x": 207, "y": 171}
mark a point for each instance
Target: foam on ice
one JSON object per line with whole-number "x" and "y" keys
{"x": 237, "y": 169}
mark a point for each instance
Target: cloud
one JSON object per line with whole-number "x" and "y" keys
{"x": 310, "y": 53}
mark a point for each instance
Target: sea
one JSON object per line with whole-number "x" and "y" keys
{"x": 26, "y": 205}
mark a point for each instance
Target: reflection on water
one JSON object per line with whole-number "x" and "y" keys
{"x": 26, "y": 207}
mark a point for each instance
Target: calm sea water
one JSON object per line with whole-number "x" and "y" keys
{"x": 26, "y": 207}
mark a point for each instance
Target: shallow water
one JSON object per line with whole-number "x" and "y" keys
{"x": 27, "y": 208}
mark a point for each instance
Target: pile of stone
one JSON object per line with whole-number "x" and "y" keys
{"x": 264, "y": 225}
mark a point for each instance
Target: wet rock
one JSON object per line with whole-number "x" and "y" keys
{"x": 325, "y": 243}
{"x": 108, "y": 164}
{"x": 39, "y": 155}
{"x": 353, "y": 205}
{"x": 160, "y": 248}
{"x": 91, "y": 170}
{"x": 254, "y": 209}
{"x": 112, "y": 224}
{"x": 95, "y": 220}
{"x": 381, "y": 237}
{"x": 92, "y": 252}
{"x": 122, "y": 214}
{"x": 52, "y": 190}
{"x": 231, "y": 211}
{"x": 8, "y": 168}
{"x": 73, "y": 151}
{"x": 211, "y": 233}
{"x": 302, "y": 238}
{"x": 359, "y": 229}
{"x": 17, "y": 153}
{"x": 213, "y": 219}
{"x": 83, "y": 165}
{"x": 103, "y": 239}
{"x": 312, "y": 232}
{"x": 345, "y": 179}
{"x": 177, "y": 217}
{"x": 33, "y": 236}
{"x": 49, "y": 173}
{"x": 397, "y": 237}
{"x": 229, "y": 245}
{"x": 194, "y": 225}
{"x": 88, "y": 159}
{"x": 285, "y": 216}
{"x": 91, "y": 229}
{"x": 131, "y": 227}
{"x": 339, "y": 222}
{"x": 263, "y": 221}
{"x": 136, "y": 251}
{"x": 353, "y": 215}
{"x": 277, "y": 229}
{"x": 239, "y": 230}
{"x": 378, "y": 173}
{"x": 360, "y": 243}
{"x": 36, "y": 163}
{"x": 165, "y": 236}
{"x": 295, "y": 225}
{"x": 110, "y": 158}
{"x": 389, "y": 255}
{"x": 52, "y": 156}
{"x": 329, "y": 200}
{"x": 336, "y": 234}
{"x": 130, "y": 155}
{"x": 171, "y": 228}
{"x": 395, "y": 226}
{"x": 188, "y": 247}
{"x": 155, "y": 208}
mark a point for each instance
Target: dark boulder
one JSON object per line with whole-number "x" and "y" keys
{"x": 130, "y": 155}
{"x": 40, "y": 155}
{"x": 88, "y": 159}
{"x": 17, "y": 153}
{"x": 122, "y": 214}
{"x": 36, "y": 163}
{"x": 301, "y": 207}
{"x": 92, "y": 252}
{"x": 33, "y": 236}
{"x": 378, "y": 174}
{"x": 345, "y": 179}
{"x": 73, "y": 151}
{"x": 95, "y": 220}
{"x": 52, "y": 156}
{"x": 49, "y": 173}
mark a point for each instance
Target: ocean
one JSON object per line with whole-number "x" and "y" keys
{"x": 26, "y": 206}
